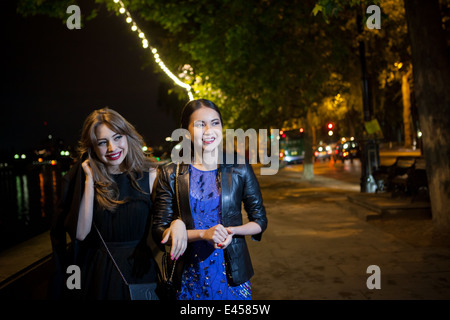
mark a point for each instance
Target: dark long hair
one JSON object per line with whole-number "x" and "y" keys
{"x": 193, "y": 106}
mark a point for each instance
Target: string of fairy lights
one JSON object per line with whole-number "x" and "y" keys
{"x": 154, "y": 51}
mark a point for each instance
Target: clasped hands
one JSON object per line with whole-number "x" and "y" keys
{"x": 219, "y": 236}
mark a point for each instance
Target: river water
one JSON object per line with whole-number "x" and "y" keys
{"x": 29, "y": 195}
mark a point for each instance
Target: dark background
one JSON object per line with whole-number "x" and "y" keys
{"x": 53, "y": 77}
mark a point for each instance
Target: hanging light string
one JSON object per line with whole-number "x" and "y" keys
{"x": 145, "y": 44}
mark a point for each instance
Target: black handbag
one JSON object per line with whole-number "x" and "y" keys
{"x": 138, "y": 291}
{"x": 166, "y": 289}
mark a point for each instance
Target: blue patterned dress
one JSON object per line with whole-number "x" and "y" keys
{"x": 204, "y": 276}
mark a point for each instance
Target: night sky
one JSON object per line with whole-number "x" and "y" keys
{"x": 53, "y": 77}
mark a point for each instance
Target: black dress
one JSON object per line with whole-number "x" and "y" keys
{"x": 125, "y": 232}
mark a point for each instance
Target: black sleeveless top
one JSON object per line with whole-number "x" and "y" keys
{"x": 125, "y": 232}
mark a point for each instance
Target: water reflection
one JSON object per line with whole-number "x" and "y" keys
{"x": 23, "y": 197}
{"x": 29, "y": 197}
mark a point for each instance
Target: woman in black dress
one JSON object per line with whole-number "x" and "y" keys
{"x": 115, "y": 198}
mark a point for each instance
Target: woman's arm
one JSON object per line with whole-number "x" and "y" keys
{"x": 215, "y": 235}
{"x": 177, "y": 236}
{"x": 253, "y": 203}
{"x": 86, "y": 210}
{"x": 167, "y": 229}
{"x": 249, "y": 229}
{"x": 152, "y": 178}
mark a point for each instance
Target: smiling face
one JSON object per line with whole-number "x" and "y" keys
{"x": 205, "y": 129}
{"x": 111, "y": 148}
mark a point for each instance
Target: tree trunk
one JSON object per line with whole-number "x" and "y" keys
{"x": 406, "y": 95}
{"x": 431, "y": 80}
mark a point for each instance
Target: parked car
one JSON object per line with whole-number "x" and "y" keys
{"x": 292, "y": 146}
{"x": 323, "y": 152}
{"x": 346, "y": 148}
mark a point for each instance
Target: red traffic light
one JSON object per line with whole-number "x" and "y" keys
{"x": 330, "y": 125}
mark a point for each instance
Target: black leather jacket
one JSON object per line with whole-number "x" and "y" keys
{"x": 238, "y": 185}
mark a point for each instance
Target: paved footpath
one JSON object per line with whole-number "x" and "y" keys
{"x": 318, "y": 247}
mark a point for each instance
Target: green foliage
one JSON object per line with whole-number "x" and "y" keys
{"x": 264, "y": 62}
{"x": 51, "y": 8}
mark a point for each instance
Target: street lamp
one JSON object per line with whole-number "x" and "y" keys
{"x": 370, "y": 158}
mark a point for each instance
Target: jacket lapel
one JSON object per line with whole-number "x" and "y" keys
{"x": 184, "y": 196}
{"x": 225, "y": 180}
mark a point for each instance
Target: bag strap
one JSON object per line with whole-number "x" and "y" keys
{"x": 176, "y": 190}
{"x": 109, "y": 253}
{"x": 112, "y": 258}
{"x": 179, "y": 215}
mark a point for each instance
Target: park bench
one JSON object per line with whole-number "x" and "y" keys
{"x": 406, "y": 176}
{"x": 413, "y": 181}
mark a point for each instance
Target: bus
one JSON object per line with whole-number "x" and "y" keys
{"x": 292, "y": 146}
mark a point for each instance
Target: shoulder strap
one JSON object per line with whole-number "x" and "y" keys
{"x": 176, "y": 190}
{"x": 107, "y": 250}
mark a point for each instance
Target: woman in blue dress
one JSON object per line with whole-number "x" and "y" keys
{"x": 216, "y": 264}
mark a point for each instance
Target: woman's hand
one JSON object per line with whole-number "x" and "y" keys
{"x": 178, "y": 236}
{"x": 228, "y": 239}
{"x": 216, "y": 235}
{"x": 87, "y": 171}
{"x": 86, "y": 209}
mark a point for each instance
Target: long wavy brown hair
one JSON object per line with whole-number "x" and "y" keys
{"x": 134, "y": 164}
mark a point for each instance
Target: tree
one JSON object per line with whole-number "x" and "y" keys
{"x": 268, "y": 61}
{"x": 431, "y": 81}
{"x": 431, "y": 72}
{"x": 265, "y": 61}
